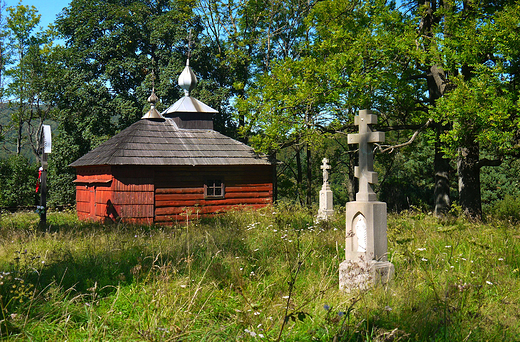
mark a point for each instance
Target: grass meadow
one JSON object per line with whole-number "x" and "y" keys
{"x": 266, "y": 275}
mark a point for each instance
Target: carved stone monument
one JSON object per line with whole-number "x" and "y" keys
{"x": 366, "y": 243}
{"x": 326, "y": 199}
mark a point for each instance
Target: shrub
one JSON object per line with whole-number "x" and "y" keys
{"x": 18, "y": 178}
{"x": 507, "y": 209}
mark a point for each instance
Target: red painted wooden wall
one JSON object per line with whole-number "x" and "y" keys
{"x": 167, "y": 194}
{"x": 180, "y": 191}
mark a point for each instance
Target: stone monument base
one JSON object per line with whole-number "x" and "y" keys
{"x": 363, "y": 275}
{"x": 324, "y": 215}
{"x": 326, "y": 210}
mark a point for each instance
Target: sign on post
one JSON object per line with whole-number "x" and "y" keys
{"x": 46, "y": 139}
{"x": 45, "y": 148}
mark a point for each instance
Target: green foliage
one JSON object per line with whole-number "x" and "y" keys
{"x": 28, "y": 73}
{"x": 507, "y": 209}
{"x": 499, "y": 182}
{"x": 406, "y": 177}
{"x": 18, "y": 181}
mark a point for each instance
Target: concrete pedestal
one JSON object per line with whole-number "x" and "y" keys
{"x": 326, "y": 204}
{"x": 366, "y": 262}
{"x": 366, "y": 231}
{"x": 363, "y": 275}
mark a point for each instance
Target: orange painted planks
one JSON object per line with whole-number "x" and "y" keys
{"x": 259, "y": 194}
{"x": 137, "y": 197}
{"x": 178, "y": 197}
{"x": 129, "y": 211}
{"x": 179, "y": 190}
{"x": 249, "y": 188}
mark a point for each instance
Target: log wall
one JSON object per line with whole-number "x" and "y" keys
{"x": 179, "y": 192}
{"x": 167, "y": 194}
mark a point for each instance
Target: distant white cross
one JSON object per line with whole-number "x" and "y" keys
{"x": 365, "y": 138}
{"x": 325, "y": 167}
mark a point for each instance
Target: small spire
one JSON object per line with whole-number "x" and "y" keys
{"x": 153, "y": 113}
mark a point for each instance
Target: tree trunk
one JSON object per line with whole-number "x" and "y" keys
{"x": 309, "y": 177}
{"x": 19, "y": 138}
{"x": 442, "y": 169}
{"x": 299, "y": 175}
{"x": 468, "y": 167}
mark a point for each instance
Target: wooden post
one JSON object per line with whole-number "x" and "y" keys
{"x": 43, "y": 193}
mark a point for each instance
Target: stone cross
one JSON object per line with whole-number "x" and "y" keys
{"x": 325, "y": 167}
{"x": 366, "y": 244}
{"x": 326, "y": 210}
{"x": 366, "y": 138}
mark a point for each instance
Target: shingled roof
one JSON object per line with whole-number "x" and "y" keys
{"x": 161, "y": 142}
{"x": 180, "y": 136}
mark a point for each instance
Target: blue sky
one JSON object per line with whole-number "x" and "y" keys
{"x": 48, "y": 9}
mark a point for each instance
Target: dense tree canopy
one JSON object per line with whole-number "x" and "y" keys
{"x": 290, "y": 75}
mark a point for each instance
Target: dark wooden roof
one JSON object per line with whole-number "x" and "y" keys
{"x": 161, "y": 142}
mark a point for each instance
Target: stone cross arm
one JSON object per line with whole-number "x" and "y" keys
{"x": 371, "y": 176}
{"x": 369, "y": 138}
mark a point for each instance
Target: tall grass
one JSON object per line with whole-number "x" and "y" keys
{"x": 264, "y": 275}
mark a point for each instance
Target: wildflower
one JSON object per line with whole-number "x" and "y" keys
{"x": 285, "y": 297}
{"x": 341, "y": 313}
{"x": 252, "y": 333}
{"x": 261, "y": 335}
{"x": 326, "y": 307}
{"x": 256, "y": 313}
{"x": 421, "y": 249}
{"x": 424, "y": 259}
{"x": 388, "y": 308}
{"x": 488, "y": 282}
{"x": 500, "y": 259}
{"x": 447, "y": 246}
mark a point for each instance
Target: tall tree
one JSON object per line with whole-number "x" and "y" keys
{"x": 104, "y": 70}
{"x": 247, "y": 35}
{"x": 482, "y": 104}
{"x": 348, "y": 63}
{"x": 25, "y": 43}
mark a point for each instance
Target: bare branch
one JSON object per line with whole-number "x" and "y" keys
{"x": 410, "y": 141}
{"x": 489, "y": 162}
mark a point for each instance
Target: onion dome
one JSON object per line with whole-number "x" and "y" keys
{"x": 153, "y": 113}
{"x": 187, "y": 79}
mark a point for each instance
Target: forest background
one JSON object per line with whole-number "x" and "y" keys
{"x": 287, "y": 78}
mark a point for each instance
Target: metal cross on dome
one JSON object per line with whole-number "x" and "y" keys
{"x": 366, "y": 138}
